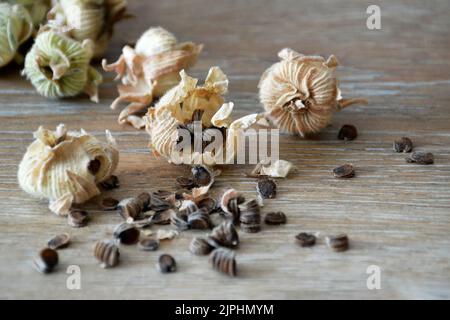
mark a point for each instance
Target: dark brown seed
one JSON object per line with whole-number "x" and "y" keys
{"x": 348, "y": 132}
{"x": 131, "y": 208}
{"x": 149, "y": 244}
{"x": 94, "y": 166}
{"x": 110, "y": 183}
{"x": 109, "y": 203}
{"x": 225, "y": 235}
{"x": 209, "y": 204}
{"x": 275, "y": 218}
{"x": 224, "y": 260}
{"x": 185, "y": 183}
{"x": 163, "y": 217}
{"x": 158, "y": 200}
{"x": 126, "y": 233}
{"x": 338, "y": 243}
{"x": 46, "y": 260}
{"x": 199, "y": 220}
{"x": 403, "y": 144}
{"x": 145, "y": 199}
{"x": 179, "y": 220}
{"x": 305, "y": 239}
{"x": 107, "y": 253}
{"x": 200, "y": 246}
{"x": 77, "y": 218}
{"x": 267, "y": 188}
{"x": 166, "y": 264}
{"x": 201, "y": 175}
{"x": 344, "y": 171}
{"x": 250, "y": 217}
{"x": 421, "y": 157}
{"x": 59, "y": 241}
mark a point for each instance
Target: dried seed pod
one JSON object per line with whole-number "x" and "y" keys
{"x": 229, "y": 203}
{"x": 199, "y": 220}
{"x": 200, "y": 246}
{"x": 208, "y": 204}
{"x": 250, "y": 217}
{"x": 166, "y": 264}
{"x": 109, "y": 203}
{"x": 180, "y": 221}
{"x": 403, "y": 144}
{"x": 77, "y": 218}
{"x": 107, "y": 253}
{"x": 344, "y": 171}
{"x": 131, "y": 208}
{"x": 55, "y": 166}
{"x": 348, "y": 132}
{"x": 126, "y": 233}
{"x": 163, "y": 217}
{"x": 305, "y": 239}
{"x": 275, "y": 218}
{"x": 149, "y": 244}
{"x": 421, "y": 157}
{"x": 185, "y": 183}
{"x": 223, "y": 260}
{"x": 187, "y": 207}
{"x": 267, "y": 188}
{"x": 202, "y": 175}
{"x": 110, "y": 183}
{"x": 300, "y": 93}
{"x": 338, "y": 243}
{"x": 59, "y": 241}
{"x": 46, "y": 261}
{"x": 159, "y": 202}
{"x": 37, "y": 9}
{"x": 225, "y": 235}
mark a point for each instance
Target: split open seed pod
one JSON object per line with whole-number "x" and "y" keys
{"x": 300, "y": 93}
{"x": 65, "y": 167}
{"x": 149, "y": 70}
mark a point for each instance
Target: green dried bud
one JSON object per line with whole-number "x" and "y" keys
{"x": 59, "y": 66}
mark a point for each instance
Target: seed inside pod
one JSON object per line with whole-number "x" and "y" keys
{"x": 223, "y": 260}
{"x": 421, "y": 157}
{"x": 225, "y": 235}
{"x": 77, "y": 218}
{"x": 94, "y": 166}
{"x": 338, "y": 243}
{"x": 275, "y": 218}
{"x": 202, "y": 176}
{"x": 403, "y": 144}
{"x": 200, "y": 246}
{"x": 344, "y": 171}
{"x": 109, "y": 203}
{"x": 46, "y": 260}
{"x": 305, "y": 239}
{"x": 59, "y": 241}
{"x": 267, "y": 188}
{"x": 126, "y": 233}
{"x": 185, "y": 183}
{"x": 166, "y": 264}
{"x": 348, "y": 132}
{"x": 149, "y": 244}
{"x": 107, "y": 253}
{"x": 110, "y": 183}
{"x": 199, "y": 220}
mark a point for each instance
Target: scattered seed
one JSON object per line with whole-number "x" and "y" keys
{"x": 223, "y": 260}
{"x": 94, "y": 166}
{"x": 109, "y": 203}
{"x": 199, "y": 220}
{"x": 421, "y": 157}
{"x": 201, "y": 175}
{"x": 275, "y": 218}
{"x": 59, "y": 241}
{"x": 344, "y": 171}
{"x": 185, "y": 183}
{"x": 338, "y": 243}
{"x": 225, "y": 235}
{"x": 403, "y": 144}
{"x": 46, "y": 260}
{"x": 110, "y": 183}
{"x": 209, "y": 204}
{"x": 267, "y": 188}
{"x": 348, "y": 132}
{"x": 107, "y": 253}
{"x": 250, "y": 217}
{"x": 77, "y": 218}
{"x": 126, "y": 233}
{"x": 200, "y": 246}
{"x": 305, "y": 239}
{"x": 166, "y": 264}
{"x": 149, "y": 244}
{"x": 229, "y": 203}
{"x": 131, "y": 208}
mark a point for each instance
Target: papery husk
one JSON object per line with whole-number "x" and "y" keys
{"x": 55, "y": 166}
{"x": 300, "y": 93}
{"x": 59, "y": 66}
{"x": 150, "y": 69}
{"x": 16, "y": 27}
{"x": 88, "y": 19}
{"x": 37, "y": 9}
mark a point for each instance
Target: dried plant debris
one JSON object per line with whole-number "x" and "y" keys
{"x": 229, "y": 203}
{"x": 149, "y": 244}
{"x": 338, "y": 242}
{"x": 77, "y": 218}
{"x": 267, "y": 188}
{"x": 126, "y": 233}
{"x": 107, "y": 253}
{"x": 348, "y": 132}
{"x": 110, "y": 183}
{"x": 166, "y": 264}
{"x": 59, "y": 241}
{"x": 46, "y": 260}
{"x": 421, "y": 157}
{"x": 200, "y": 246}
{"x": 250, "y": 217}
{"x": 109, "y": 203}
{"x": 275, "y": 218}
{"x": 132, "y": 208}
{"x": 403, "y": 144}
{"x": 345, "y": 171}
{"x": 162, "y": 234}
{"x": 278, "y": 169}
{"x": 225, "y": 235}
{"x": 224, "y": 260}
{"x": 304, "y": 239}
{"x": 185, "y": 182}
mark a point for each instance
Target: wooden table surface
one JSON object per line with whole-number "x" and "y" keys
{"x": 396, "y": 214}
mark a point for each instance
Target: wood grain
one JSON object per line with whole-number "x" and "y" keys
{"x": 396, "y": 214}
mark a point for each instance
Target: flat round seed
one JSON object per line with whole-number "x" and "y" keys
{"x": 109, "y": 203}
{"x": 421, "y": 157}
{"x": 305, "y": 239}
{"x": 267, "y": 188}
{"x": 166, "y": 264}
{"x": 46, "y": 260}
{"x": 403, "y": 144}
{"x": 338, "y": 243}
{"x": 275, "y": 218}
{"x": 348, "y": 132}
{"x": 344, "y": 171}
{"x": 77, "y": 218}
{"x": 59, "y": 241}
{"x": 149, "y": 244}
